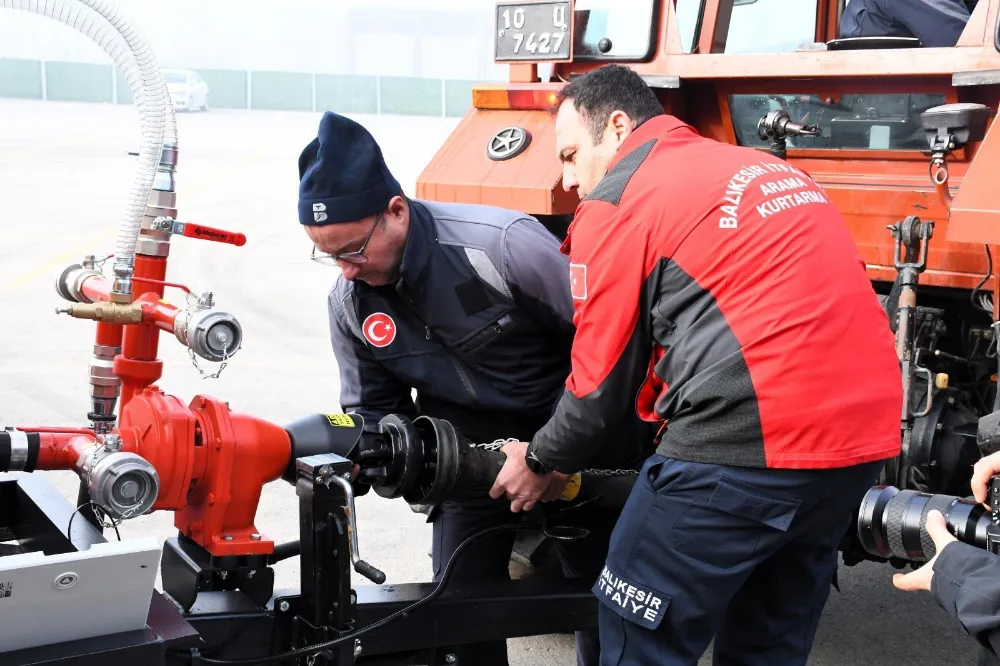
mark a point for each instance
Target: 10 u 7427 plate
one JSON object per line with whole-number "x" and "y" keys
{"x": 534, "y": 31}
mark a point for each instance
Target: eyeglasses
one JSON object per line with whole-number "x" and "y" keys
{"x": 356, "y": 257}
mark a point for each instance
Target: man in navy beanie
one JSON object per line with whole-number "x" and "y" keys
{"x": 470, "y": 306}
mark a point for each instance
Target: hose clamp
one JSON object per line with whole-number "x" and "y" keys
{"x": 18, "y": 450}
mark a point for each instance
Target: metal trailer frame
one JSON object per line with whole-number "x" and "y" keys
{"x": 218, "y": 609}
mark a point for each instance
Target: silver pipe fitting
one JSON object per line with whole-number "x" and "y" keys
{"x": 124, "y": 485}
{"x": 211, "y": 334}
{"x": 69, "y": 284}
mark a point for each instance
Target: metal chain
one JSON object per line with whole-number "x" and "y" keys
{"x": 99, "y": 264}
{"x": 497, "y": 444}
{"x": 88, "y": 466}
{"x": 88, "y": 469}
{"x": 612, "y": 472}
{"x": 110, "y": 523}
{"x": 194, "y": 360}
{"x": 214, "y": 375}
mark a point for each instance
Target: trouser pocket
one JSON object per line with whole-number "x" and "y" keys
{"x": 732, "y": 522}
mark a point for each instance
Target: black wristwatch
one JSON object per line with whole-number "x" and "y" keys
{"x": 535, "y": 465}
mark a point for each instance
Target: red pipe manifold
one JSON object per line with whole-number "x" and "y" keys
{"x": 202, "y": 461}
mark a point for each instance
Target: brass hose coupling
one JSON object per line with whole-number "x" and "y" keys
{"x": 111, "y": 313}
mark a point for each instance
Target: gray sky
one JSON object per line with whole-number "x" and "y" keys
{"x": 285, "y": 35}
{"x": 451, "y": 39}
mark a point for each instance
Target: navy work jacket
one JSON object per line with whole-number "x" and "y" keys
{"x": 479, "y": 326}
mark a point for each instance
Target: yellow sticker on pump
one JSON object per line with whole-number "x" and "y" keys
{"x": 572, "y": 488}
{"x": 340, "y": 420}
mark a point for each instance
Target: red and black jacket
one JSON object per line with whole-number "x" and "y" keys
{"x": 717, "y": 288}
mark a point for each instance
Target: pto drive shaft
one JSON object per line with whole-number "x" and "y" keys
{"x": 427, "y": 461}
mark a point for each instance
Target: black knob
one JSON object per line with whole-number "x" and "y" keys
{"x": 369, "y": 572}
{"x": 604, "y": 45}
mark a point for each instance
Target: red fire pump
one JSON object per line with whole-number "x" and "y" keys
{"x": 202, "y": 461}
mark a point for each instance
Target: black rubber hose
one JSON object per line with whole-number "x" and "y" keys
{"x": 34, "y": 442}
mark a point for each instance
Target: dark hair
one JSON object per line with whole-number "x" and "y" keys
{"x": 597, "y": 94}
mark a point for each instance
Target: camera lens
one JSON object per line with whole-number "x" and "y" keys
{"x": 891, "y": 522}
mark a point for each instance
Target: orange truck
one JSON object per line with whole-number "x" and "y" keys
{"x": 899, "y": 135}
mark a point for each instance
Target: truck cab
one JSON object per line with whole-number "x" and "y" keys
{"x": 901, "y": 140}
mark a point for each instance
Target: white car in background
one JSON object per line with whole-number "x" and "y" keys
{"x": 188, "y": 91}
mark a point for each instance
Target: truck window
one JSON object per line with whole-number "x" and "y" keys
{"x": 613, "y": 29}
{"x": 851, "y": 121}
{"x": 771, "y": 26}
{"x": 689, "y": 15}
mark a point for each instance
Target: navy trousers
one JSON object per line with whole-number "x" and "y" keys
{"x": 744, "y": 556}
{"x": 936, "y": 23}
{"x": 488, "y": 558}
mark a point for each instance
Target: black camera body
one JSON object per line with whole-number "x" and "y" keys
{"x": 891, "y": 522}
{"x": 993, "y": 530}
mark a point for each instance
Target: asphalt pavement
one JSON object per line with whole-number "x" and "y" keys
{"x": 64, "y": 180}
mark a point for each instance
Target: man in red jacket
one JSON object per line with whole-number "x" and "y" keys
{"x": 716, "y": 290}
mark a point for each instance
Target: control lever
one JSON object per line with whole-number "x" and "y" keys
{"x": 200, "y": 231}
{"x": 362, "y": 567}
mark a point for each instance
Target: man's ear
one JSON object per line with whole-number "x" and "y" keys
{"x": 397, "y": 206}
{"x": 620, "y": 125}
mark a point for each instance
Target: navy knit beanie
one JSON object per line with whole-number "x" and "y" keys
{"x": 342, "y": 176}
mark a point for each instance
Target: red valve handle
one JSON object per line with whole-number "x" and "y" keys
{"x": 213, "y": 234}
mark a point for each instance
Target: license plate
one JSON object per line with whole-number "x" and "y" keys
{"x": 534, "y": 31}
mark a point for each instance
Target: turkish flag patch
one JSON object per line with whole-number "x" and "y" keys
{"x": 379, "y": 329}
{"x": 578, "y": 281}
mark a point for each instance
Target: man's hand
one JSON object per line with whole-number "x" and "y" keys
{"x": 981, "y": 473}
{"x": 520, "y": 485}
{"x": 556, "y": 486}
{"x": 921, "y": 578}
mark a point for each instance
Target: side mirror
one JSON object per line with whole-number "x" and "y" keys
{"x": 955, "y": 124}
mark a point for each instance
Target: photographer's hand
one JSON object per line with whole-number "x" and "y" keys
{"x": 982, "y": 472}
{"x": 921, "y": 578}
